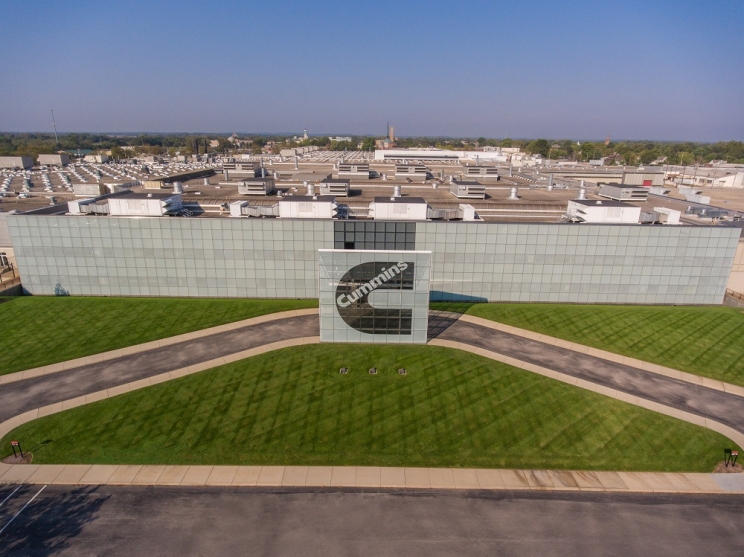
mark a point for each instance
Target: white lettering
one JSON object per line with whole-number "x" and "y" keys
{"x": 344, "y": 301}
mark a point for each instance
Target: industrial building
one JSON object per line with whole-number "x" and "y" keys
{"x": 16, "y": 162}
{"x": 61, "y": 159}
{"x": 524, "y": 242}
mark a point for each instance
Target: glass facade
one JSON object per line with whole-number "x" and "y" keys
{"x": 278, "y": 258}
{"x": 374, "y": 296}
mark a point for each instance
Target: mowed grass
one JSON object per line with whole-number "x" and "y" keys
{"x": 38, "y": 331}
{"x": 292, "y": 407}
{"x": 707, "y": 341}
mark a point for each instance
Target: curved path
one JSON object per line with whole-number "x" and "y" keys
{"x": 723, "y": 407}
{"x": 21, "y": 396}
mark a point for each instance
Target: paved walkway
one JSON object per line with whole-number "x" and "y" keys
{"x": 59, "y": 389}
{"x": 23, "y": 395}
{"x": 373, "y": 477}
{"x": 697, "y": 400}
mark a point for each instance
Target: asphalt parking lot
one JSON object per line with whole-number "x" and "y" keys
{"x": 228, "y": 521}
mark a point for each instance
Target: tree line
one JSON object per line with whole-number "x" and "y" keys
{"x": 621, "y": 152}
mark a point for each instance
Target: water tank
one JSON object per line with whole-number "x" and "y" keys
{"x": 310, "y": 188}
{"x": 177, "y": 187}
{"x": 582, "y": 192}
{"x": 396, "y": 191}
{"x": 550, "y": 183}
{"x": 513, "y": 193}
{"x": 206, "y": 181}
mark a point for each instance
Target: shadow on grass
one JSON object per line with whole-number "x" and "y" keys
{"x": 48, "y": 524}
{"x": 454, "y": 307}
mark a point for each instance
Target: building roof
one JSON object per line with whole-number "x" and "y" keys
{"x": 143, "y": 195}
{"x": 466, "y": 183}
{"x": 400, "y": 200}
{"x": 308, "y": 198}
{"x": 334, "y": 181}
{"x": 602, "y": 203}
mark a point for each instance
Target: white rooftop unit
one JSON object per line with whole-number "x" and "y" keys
{"x": 308, "y": 207}
{"x": 61, "y": 159}
{"x": 245, "y": 209}
{"x": 86, "y": 190}
{"x": 399, "y": 208}
{"x": 623, "y": 192}
{"x": 16, "y": 162}
{"x": 353, "y": 170}
{"x": 242, "y": 168}
{"x": 96, "y": 158}
{"x": 144, "y": 204}
{"x": 668, "y": 216}
{"x": 609, "y": 212}
{"x": 255, "y": 186}
{"x": 467, "y": 190}
{"x": 482, "y": 172}
{"x": 414, "y": 172}
{"x": 334, "y": 186}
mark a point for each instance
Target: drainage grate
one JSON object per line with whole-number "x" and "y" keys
{"x": 343, "y": 370}
{"x": 373, "y": 371}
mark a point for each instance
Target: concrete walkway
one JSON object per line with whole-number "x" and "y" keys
{"x": 373, "y": 477}
{"x": 59, "y": 390}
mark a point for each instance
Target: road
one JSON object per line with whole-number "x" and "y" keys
{"x": 213, "y": 521}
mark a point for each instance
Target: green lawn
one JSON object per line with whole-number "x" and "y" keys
{"x": 452, "y": 409}
{"x": 38, "y": 331}
{"x": 706, "y": 341}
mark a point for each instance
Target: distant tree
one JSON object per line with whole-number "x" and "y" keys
{"x": 538, "y": 147}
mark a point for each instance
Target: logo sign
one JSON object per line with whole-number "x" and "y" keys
{"x": 356, "y": 286}
{"x": 374, "y": 296}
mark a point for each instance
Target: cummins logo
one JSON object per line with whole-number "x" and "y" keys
{"x": 354, "y": 288}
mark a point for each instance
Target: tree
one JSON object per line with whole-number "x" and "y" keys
{"x": 368, "y": 144}
{"x": 538, "y": 147}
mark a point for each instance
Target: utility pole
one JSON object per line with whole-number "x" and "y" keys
{"x": 54, "y": 124}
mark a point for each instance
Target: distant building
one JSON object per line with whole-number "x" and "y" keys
{"x": 340, "y": 138}
{"x": 16, "y": 162}
{"x": 61, "y": 159}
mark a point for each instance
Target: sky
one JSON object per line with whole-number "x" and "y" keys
{"x": 581, "y": 69}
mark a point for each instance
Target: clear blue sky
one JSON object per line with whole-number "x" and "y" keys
{"x": 573, "y": 69}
